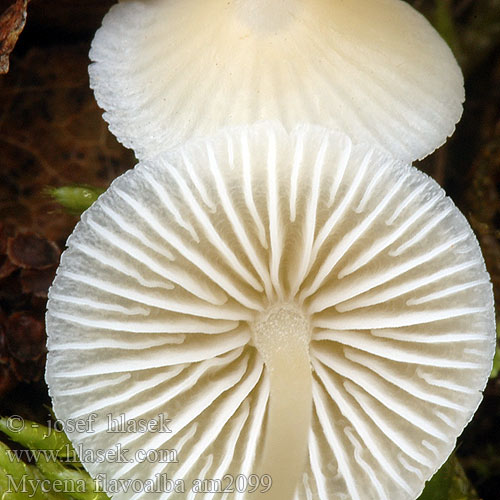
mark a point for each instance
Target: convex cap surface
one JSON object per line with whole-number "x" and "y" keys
{"x": 169, "y": 70}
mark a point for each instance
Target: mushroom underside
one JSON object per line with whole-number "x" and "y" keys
{"x": 294, "y": 305}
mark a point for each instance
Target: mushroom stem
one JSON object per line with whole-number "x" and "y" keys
{"x": 282, "y": 338}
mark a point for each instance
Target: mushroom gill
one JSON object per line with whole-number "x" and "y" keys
{"x": 296, "y": 305}
{"x": 166, "y": 71}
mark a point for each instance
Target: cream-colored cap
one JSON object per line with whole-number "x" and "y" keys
{"x": 165, "y": 71}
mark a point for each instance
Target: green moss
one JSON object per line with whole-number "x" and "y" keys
{"x": 53, "y": 471}
{"x": 75, "y": 199}
{"x": 449, "y": 483}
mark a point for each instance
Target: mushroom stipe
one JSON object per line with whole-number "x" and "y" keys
{"x": 295, "y": 305}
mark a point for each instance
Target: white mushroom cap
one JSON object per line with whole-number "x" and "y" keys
{"x": 290, "y": 311}
{"x": 169, "y": 70}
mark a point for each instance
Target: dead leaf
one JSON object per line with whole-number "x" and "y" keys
{"x": 12, "y": 23}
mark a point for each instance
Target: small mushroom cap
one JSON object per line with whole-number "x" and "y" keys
{"x": 169, "y": 70}
{"x": 194, "y": 287}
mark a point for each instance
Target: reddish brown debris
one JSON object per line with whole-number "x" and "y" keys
{"x": 30, "y": 251}
{"x": 12, "y": 22}
{"x": 6, "y": 267}
{"x": 25, "y": 336}
{"x": 37, "y": 281}
{"x": 7, "y": 379}
{"x": 51, "y": 134}
{"x": 28, "y": 263}
{"x": 3, "y": 239}
{"x": 28, "y": 372}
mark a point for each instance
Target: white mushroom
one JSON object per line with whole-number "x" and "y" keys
{"x": 290, "y": 311}
{"x": 169, "y": 70}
